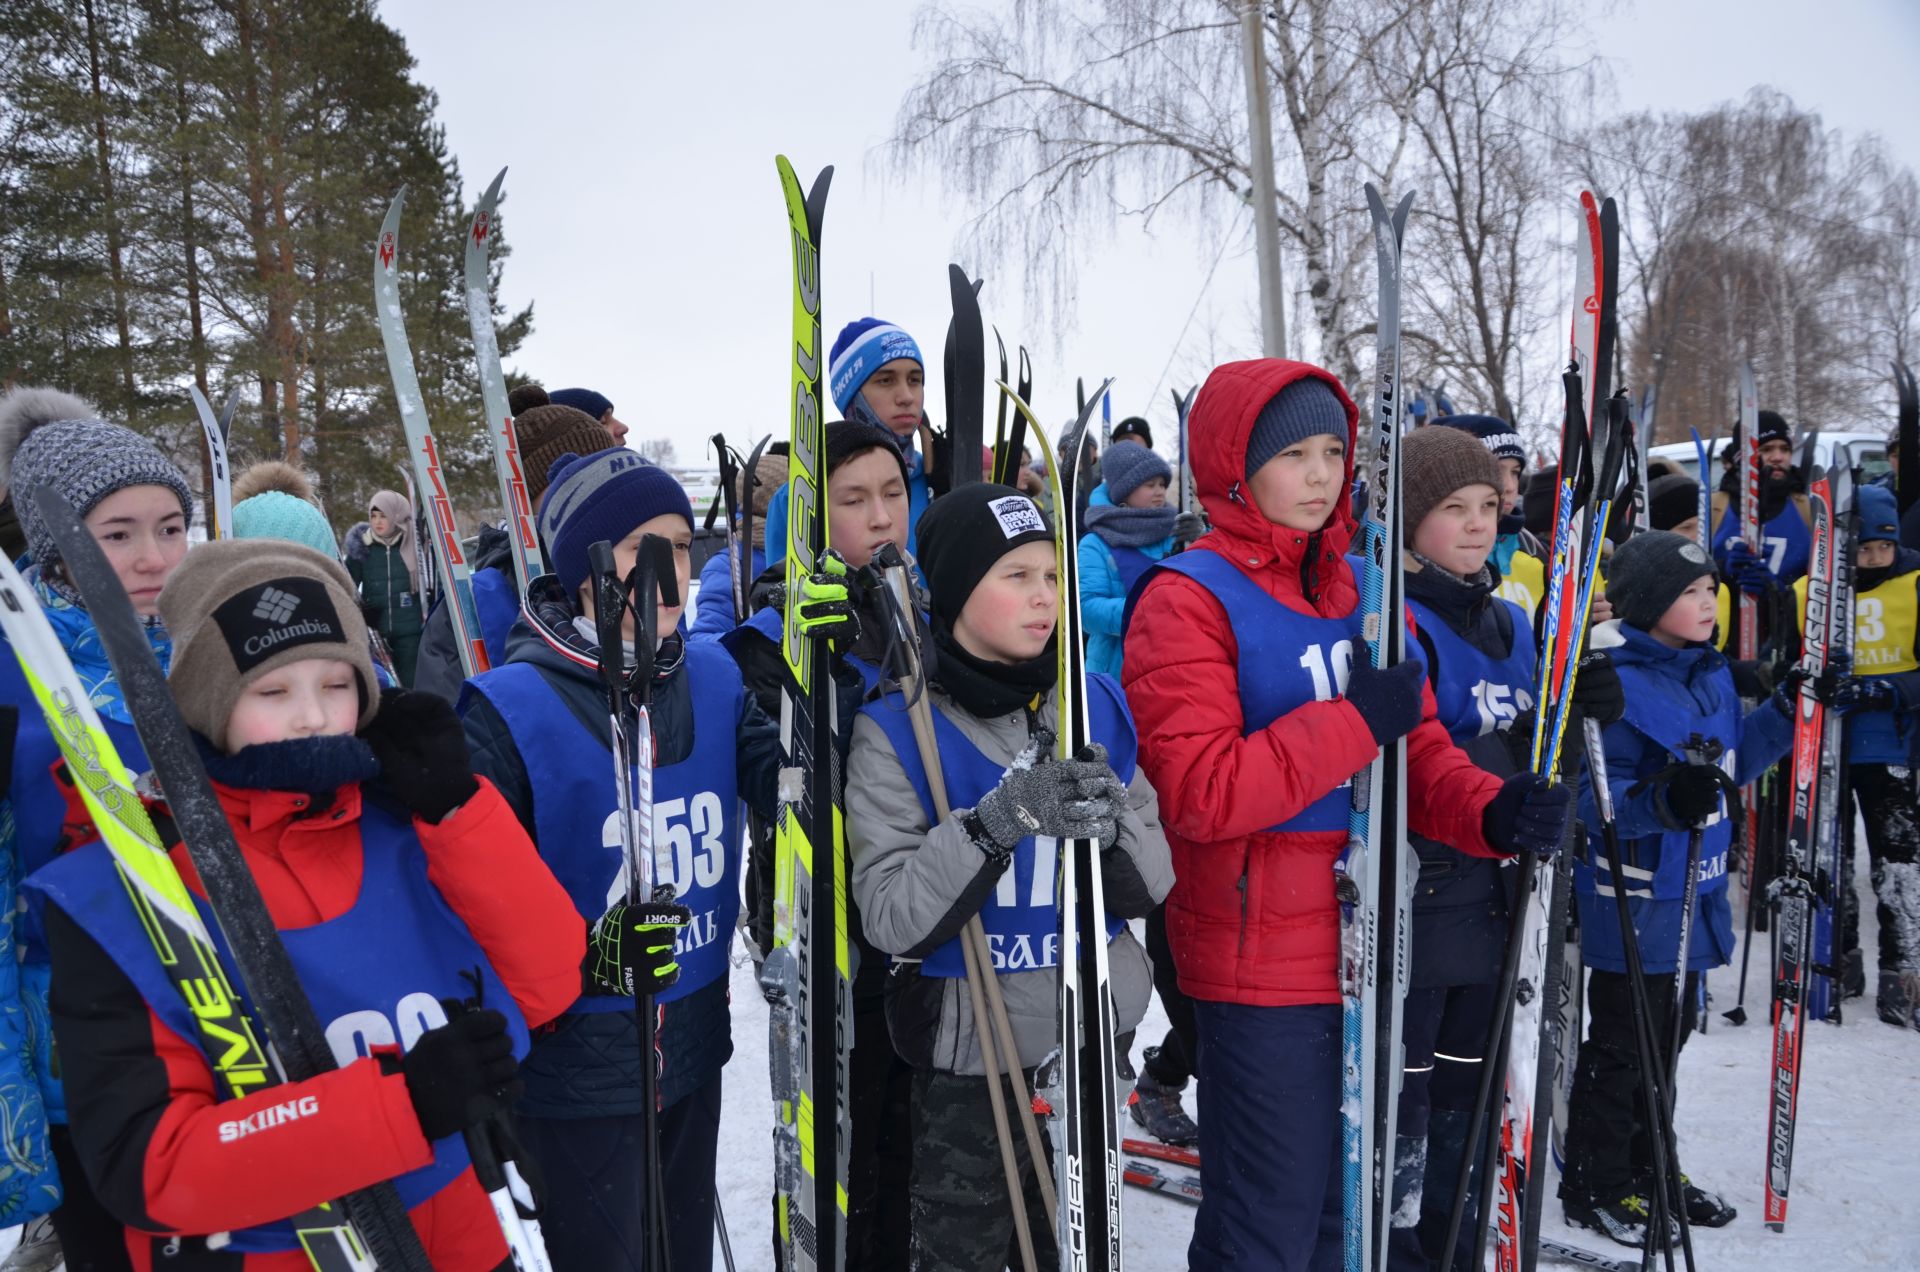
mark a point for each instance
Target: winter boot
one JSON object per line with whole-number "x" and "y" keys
{"x": 1705, "y": 1209}
{"x": 38, "y": 1251}
{"x": 1853, "y": 975}
{"x": 1893, "y": 1001}
{"x": 1624, "y": 1220}
{"x": 1156, "y": 1107}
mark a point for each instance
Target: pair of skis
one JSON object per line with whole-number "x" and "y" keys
{"x": 215, "y": 429}
{"x": 1373, "y": 874}
{"x": 1803, "y": 888}
{"x": 1010, "y": 442}
{"x": 423, "y": 449}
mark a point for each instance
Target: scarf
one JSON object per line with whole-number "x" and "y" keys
{"x": 989, "y": 689}
{"x": 399, "y": 513}
{"x": 1122, "y": 527}
{"x": 313, "y": 766}
{"x": 78, "y": 636}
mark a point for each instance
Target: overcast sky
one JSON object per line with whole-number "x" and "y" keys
{"x": 647, "y": 228}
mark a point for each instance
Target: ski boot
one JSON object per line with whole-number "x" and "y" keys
{"x": 1705, "y": 1209}
{"x": 38, "y": 1251}
{"x": 1156, "y": 1107}
{"x": 1853, "y": 975}
{"x": 1623, "y": 1220}
{"x": 1893, "y": 1000}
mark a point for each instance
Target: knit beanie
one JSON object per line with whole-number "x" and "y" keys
{"x": 50, "y": 438}
{"x": 1671, "y": 500}
{"x": 1305, "y": 408}
{"x": 963, "y": 532}
{"x": 525, "y": 398}
{"x": 861, "y": 348}
{"x": 1773, "y": 428}
{"x": 1494, "y": 433}
{"x": 546, "y": 433}
{"x": 1541, "y": 501}
{"x": 1132, "y": 426}
{"x": 849, "y": 439}
{"x": 1127, "y": 468}
{"x": 602, "y": 496}
{"x": 240, "y": 608}
{"x": 594, "y": 404}
{"x": 1648, "y": 572}
{"x": 1435, "y": 462}
{"x": 1879, "y": 515}
{"x": 274, "y": 500}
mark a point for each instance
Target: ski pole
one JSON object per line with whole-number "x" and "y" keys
{"x": 720, "y": 1231}
{"x": 1638, "y": 1007}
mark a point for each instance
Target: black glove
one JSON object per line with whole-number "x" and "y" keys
{"x": 422, "y": 752}
{"x": 1186, "y": 528}
{"x": 1690, "y": 793}
{"x": 633, "y": 945}
{"x": 1068, "y": 799}
{"x": 1752, "y": 677}
{"x": 1389, "y": 701}
{"x": 1850, "y": 694}
{"x": 1597, "y": 693}
{"x": 1786, "y": 694}
{"x": 462, "y": 1073}
{"x": 1528, "y": 816}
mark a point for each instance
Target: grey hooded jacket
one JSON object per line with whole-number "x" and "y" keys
{"x": 916, "y": 886}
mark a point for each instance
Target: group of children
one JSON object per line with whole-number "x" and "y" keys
{"x": 451, "y": 886}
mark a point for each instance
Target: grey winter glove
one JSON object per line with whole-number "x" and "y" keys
{"x": 1186, "y": 528}
{"x": 1067, "y": 799}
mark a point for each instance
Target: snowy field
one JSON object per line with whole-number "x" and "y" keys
{"x": 1855, "y": 1165}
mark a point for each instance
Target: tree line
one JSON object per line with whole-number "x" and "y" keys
{"x": 189, "y": 195}
{"x": 1750, "y": 231}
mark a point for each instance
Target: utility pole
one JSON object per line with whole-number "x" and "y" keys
{"x": 1266, "y": 221}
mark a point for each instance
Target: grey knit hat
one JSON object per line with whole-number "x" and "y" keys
{"x": 1649, "y": 571}
{"x": 1127, "y": 468}
{"x": 1435, "y": 462}
{"x": 1305, "y": 408}
{"x": 50, "y": 438}
{"x": 239, "y": 608}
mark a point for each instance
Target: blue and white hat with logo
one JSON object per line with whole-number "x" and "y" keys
{"x": 862, "y": 348}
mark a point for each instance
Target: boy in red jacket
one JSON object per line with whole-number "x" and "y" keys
{"x": 1255, "y": 704}
{"x": 399, "y": 883}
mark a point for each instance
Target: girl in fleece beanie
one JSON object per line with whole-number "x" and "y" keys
{"x": 400, "y": 884}
{"x": 138, "y": 507}
{"x": 1125, "y": 534}
{"x": 1680, "y": 696}
{"x": 988, "y": 557}
{"x": 538, "y": 729}
{"x": 1245, "y": 668}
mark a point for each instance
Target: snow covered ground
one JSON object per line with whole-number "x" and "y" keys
{"x": 1855, "y": 1164}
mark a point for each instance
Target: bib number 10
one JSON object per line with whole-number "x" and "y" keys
{"x": 1328, "y": 668}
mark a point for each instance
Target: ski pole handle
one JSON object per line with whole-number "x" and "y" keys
{"x": 609, "y": 614}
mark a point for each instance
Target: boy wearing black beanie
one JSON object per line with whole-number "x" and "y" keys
{"x": 1679, "y": 696}
{"x": 988, "y": 557}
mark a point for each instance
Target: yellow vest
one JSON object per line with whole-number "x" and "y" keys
{"x": 1525, "y": 583}
{"x": 1884, "y": 620}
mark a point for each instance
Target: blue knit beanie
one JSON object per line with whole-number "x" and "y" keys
{"x": 1494, "y": 433}
{"x": 1306, "y": 408}
{"x": 594, "y": 404}
{"x": 1879, "y": 515}
{"x": 602, "y": 496}
{"x": 1127, "y": 468}
{"x": 862, "y": 348}
{"x": 275, "y": 514}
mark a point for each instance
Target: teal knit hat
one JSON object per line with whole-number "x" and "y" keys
{"x": 274, "y": 514}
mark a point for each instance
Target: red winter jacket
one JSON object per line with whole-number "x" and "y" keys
{"x": 146, "y": 1109}
{"x": 1252, "y": 917}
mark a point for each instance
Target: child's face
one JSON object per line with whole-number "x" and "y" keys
{"x": 866, "y": 506}
{"x": 672, "y": 527}
{"x": 1876, "y": 554}
{"x": 312, "y": 698}
{"x": 1688, "y": 529}
{"x": 1458, "y": 533}
{"x": 1510, "y": 473}
{"x": 144, "y": 534}
{"x": 1151, "y": 493}
{"x": 1690, "y": 618}
{"x": 1299, "y": 487}
{"x": 895, "y": 393}
{"x": 1012, "y": 612}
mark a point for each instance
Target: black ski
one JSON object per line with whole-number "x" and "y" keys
{"x": 966, "y": 374}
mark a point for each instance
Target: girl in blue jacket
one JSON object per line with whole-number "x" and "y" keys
{"x": 1677, "y": 687}
{"x": 1125, "y": 533}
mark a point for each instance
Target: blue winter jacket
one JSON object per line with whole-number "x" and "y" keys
{"x": 1103, "y": 599}
{"x": 716, "y": 617}
{"x": 1670, "y": 695}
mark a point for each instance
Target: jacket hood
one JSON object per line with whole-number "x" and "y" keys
{"x": 1219, "y": 429}
{"x": 1640, "y": 647}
